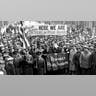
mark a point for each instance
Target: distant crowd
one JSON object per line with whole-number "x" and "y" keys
{"x": 22, "y": 55}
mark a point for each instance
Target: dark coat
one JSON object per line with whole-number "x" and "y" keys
{"x": 76, "y": 61}
{"x": 92, "y": 59}
{"x": 10, "y": 69}
{"x": 76, "y": 58}
{"x": 92, "y": 62}
{"x": 18, "y": 67}
{"x": 41, "y": 66}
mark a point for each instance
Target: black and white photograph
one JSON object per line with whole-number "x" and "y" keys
{"x": 48, "y": 48}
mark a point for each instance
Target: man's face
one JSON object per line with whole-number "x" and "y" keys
{"x": 11, "y": 62}
{"x": 85, "y": 49}
{"x": 79, "y": 49}
{"x": 91, "y": 50}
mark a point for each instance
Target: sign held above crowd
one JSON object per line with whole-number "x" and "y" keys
{"x": 48, "y": 30}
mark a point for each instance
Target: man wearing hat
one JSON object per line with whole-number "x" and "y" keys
{"x": 76, "y": 61}
{"x": 10, "y": 69}
{"x": 84, "y": 61}
{"x": 92, "y": 61}
{"x": 28, "y": 67}
{"x": 41, "y": 66}
{"x": 18, "y": 62}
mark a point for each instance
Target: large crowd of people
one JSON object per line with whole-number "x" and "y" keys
{"x": 28, "y": 55}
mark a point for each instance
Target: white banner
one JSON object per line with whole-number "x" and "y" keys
{"x": 48, "y": 30}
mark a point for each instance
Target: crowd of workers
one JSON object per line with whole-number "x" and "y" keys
{"x": 17, "y": 58}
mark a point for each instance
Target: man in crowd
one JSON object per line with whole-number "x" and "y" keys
{"x": 9, "y": 66}
{"x": 28, "y": 64}
{"x": 76, "y": 61}
{"x": 92, "y": 61}
{"x": 17, "y": 63}
{"x": 84, "y": 61}
{"x": 40, "y": 63}
{"x": 71, "y": 63}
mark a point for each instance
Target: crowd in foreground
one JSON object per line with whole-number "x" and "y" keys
{"x": 21, "y": 56}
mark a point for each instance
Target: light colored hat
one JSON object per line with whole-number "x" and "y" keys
{"x": 10, "y": 58}
{"x": 6, "y": 47}
{"x": 2, "y": 61}
{"x": 91, "y": 47}
{"x": 85, "y": 46}
{"x": 5, "y": 54}
{"x": 1, "y": 45}
{"x": 3, "y": 48}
